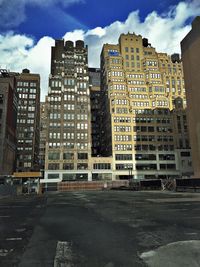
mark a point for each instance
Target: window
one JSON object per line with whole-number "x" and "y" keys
{"x": 166, "y": 157}
{"x": 53, "y": 176}
{"x": 123, "y": 156}
{"x": 68, "y": 155}
{"x": 126, "y": 166}
{"x": 145, "y": 157}
{"x": 82, "y": 156}
{"x": 146, "y": 167}
{"x": 168, "y": 166}
{"x": 82, "y": 166}
{"x": 1, "y": 99}
{"x": 185, "y": 154}
{"x": 32, "y": 84}
{"x": 102, "y": 166}
{"x": 54, "y": 156}
{"x": 68, "y": 166}
{"x": 53, "y": 166}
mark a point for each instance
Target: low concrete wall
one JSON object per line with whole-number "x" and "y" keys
{"x": 93, "y": 185}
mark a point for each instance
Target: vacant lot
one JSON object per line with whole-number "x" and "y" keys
{"x": 101, "y": 229}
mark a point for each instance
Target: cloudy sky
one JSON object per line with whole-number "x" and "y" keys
{"x": 28, "y": 28}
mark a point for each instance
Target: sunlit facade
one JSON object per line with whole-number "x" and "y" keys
{"x": 139, "y": 88}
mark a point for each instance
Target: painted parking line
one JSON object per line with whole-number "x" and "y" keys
{"x": 14, "y": 207}
{"x": 4, "y": 252}
{"x": 14, "y": 238}
{"x": 64, "y": 255}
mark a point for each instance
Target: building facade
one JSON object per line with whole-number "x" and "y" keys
{"x": 190, "y": 47}
{"x": 68, "y": 146}
{"x": 139, "y": 88}
{"x": 28, "y": 121}
{"x": 95, "y": 100}
{"x": 43, "y": 134}
{"x": 8, "y": 119}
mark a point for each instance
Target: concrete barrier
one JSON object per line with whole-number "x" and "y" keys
{"x": 151, "y": 184}
{"x": 188, "y": 184}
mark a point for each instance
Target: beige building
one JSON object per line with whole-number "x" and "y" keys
{"x": 190, "y": 46}
{"x": 139, "y": 87}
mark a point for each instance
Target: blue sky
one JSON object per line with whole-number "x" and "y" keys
{"x": 58, "y": 17}
{"x": 28, "y": 27}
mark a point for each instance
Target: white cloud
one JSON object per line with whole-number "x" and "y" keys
{"x": 75, "y": 35}
{"x": 163, "y": 31}
{"x": 19, "y": 52}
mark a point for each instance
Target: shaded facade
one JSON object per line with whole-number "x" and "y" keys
{"x": 190, "y": 47}
{"x": 95, "y": 100}
{"x": 43, "y": 134}
{"x": 68, "y": 147}
{"x": 139, "y": 88}
{"x": 28, "y": 121}
{"x": 8, "y": 119}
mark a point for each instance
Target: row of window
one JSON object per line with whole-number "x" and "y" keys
{"x": 131, "y": 49}
{"x": 57, "y": 135}
{"x": 26, "y": 90}
{"x": 144, "y": 157}
{"x": 67, "y": 166}
{"x": 31, "y": 84}
{"x": 145, "y": 167}
{"x": 27, "y": 121}
{"x": 25, "y": 96}
{"x": 70, "y": 145}
{"x": 132, "y": 57}
{"x": 136, "y": 82}
{"x": 142, "y": 147}
{"x": 66, "y": 156}
{"x": 149, "y": 138}
{"x": 151, "y": 120}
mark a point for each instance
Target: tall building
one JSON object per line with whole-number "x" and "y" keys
{"x": 68, "y": 146}
{"x": 43, "y": 133}
{"x": 95, "y": 100}
{"x": 28, "y": 121}
{"x": 139, "y": 88}
{"x": 8, "y": 119}
{"x": 190, "y": 47}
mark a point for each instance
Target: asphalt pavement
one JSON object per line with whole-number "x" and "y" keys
{"x": 101, "y": 229}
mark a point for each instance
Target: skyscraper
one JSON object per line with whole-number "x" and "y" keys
{"x": 190, "y": 47}
{"x": 68, "y": 147}
{"x": 28, "y": 121}
{"x": 43, "y": 133}
{"x": 139, "y": 87}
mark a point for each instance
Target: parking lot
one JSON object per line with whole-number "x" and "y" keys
{"x": 101, "y": 229}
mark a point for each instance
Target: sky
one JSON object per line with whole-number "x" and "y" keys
{"x": 28, "y": 28}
